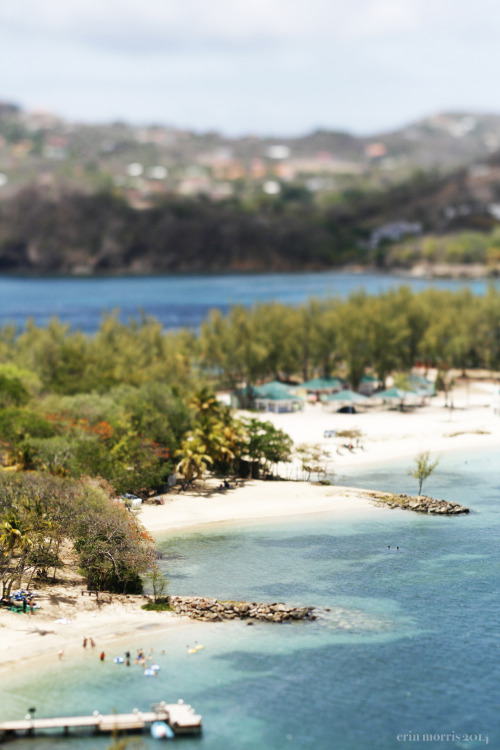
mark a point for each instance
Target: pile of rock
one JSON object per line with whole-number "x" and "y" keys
{"x": 422, "y": 504}
{"x": 213, "y": 610}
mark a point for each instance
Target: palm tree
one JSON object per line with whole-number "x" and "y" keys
{"x": 234, "y": 436}
{"x": 13, "y": 536}
{"x": 194, "y": 459}
{"x": 205, "y": 403}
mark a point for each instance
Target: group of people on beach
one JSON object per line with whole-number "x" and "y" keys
{"x": 141, "y": 659}
{"x": 21, "y": 598}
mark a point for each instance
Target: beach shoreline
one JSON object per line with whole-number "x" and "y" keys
{"x": 385, "y": 436}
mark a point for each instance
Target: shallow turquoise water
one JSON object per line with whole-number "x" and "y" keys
{"x": 411, "y": 644}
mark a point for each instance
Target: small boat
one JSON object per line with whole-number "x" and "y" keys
{"x": 161, "y": 731}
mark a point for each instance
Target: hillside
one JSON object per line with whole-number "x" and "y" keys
{"x": 100, "y": 233}
{"x": 142, "y": 163}
{"x": 119, "y": 199}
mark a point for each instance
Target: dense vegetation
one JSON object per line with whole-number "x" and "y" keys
{"x": 102, "y": 233}
{"x": 382, "y": 334}
{"x": 84, "y": 418}
{"x": 460, "y": 247}
{"x": 40, "y": 515}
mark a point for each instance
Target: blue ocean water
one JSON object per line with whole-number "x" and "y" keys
{"x": 183, "y": 300}
{"x": 410, "y": 644}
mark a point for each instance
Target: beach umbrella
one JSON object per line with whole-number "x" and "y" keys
{"x": 396, "y": 394}
{"x": 347, "y": 396}
{"x": 421, "y": 385}
{"x": 275, "y": 391}
{"x": 323, "y": 384}
{"x": 368, "y": 384}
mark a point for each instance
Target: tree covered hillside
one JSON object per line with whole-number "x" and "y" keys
{"x": 102, "y": 233}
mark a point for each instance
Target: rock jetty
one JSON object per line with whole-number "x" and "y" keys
{"x": 419, "y": 504}
{"x": 213, "y": 610}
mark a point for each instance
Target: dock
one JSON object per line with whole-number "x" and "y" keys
{"x": 180, "y": 717}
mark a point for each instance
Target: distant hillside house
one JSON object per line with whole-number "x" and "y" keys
{"x": 394, "y": 232}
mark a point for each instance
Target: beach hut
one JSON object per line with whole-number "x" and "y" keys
{"x": 276, "y": 397}
{"x": 346, "y": 400}
{"x": 323, "y": 386}
{"x": 422, "y": 386}
{"x": 397, "y": 396}
{"x": 368, "y": 385}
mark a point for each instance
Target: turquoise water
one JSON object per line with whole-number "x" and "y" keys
{"x": 180, "y": 301}
{"x": 410, "y": 645}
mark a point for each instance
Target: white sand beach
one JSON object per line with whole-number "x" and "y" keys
{"x": 66, "y": 617}
{"x": 252, "y": 500}
{"x": 385, "y": 435}
{"x": 388, "y": 434}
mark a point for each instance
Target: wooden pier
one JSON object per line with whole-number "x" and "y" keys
{"x": 180, "y": 717}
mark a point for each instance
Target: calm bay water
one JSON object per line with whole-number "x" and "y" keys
{"x": 410, "y": 645}
{"x": 179, "y": 301}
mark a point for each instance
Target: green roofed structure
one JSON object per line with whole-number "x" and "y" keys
{"x": 276, "y": 397}
{"x": 368, "y": 384}
{"x": 346, "y": 398}
{"x": 403, "y": 398}
{"x": 422, "y": 386}
{"x": 323, "y": 385}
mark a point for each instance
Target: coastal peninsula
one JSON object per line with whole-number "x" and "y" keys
{"x": 389, "y": 435}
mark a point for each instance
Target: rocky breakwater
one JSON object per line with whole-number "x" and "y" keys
{"x": 420, "y": 504}
{"x": 213, "y": 610}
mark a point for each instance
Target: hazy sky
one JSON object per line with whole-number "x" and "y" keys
{"x": 251, "y": 66}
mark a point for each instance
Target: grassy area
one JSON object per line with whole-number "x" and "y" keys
{"x": 159, "y": 606}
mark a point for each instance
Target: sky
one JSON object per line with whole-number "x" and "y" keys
{"x": 263, "y": 67}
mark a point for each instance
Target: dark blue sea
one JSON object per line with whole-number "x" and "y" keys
{"x": 183, "y": 301}
{"x": 407, "y": 656}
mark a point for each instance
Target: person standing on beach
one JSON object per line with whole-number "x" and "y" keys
{"x": 84, "y": 643}
{"x": 102, "y": 656}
